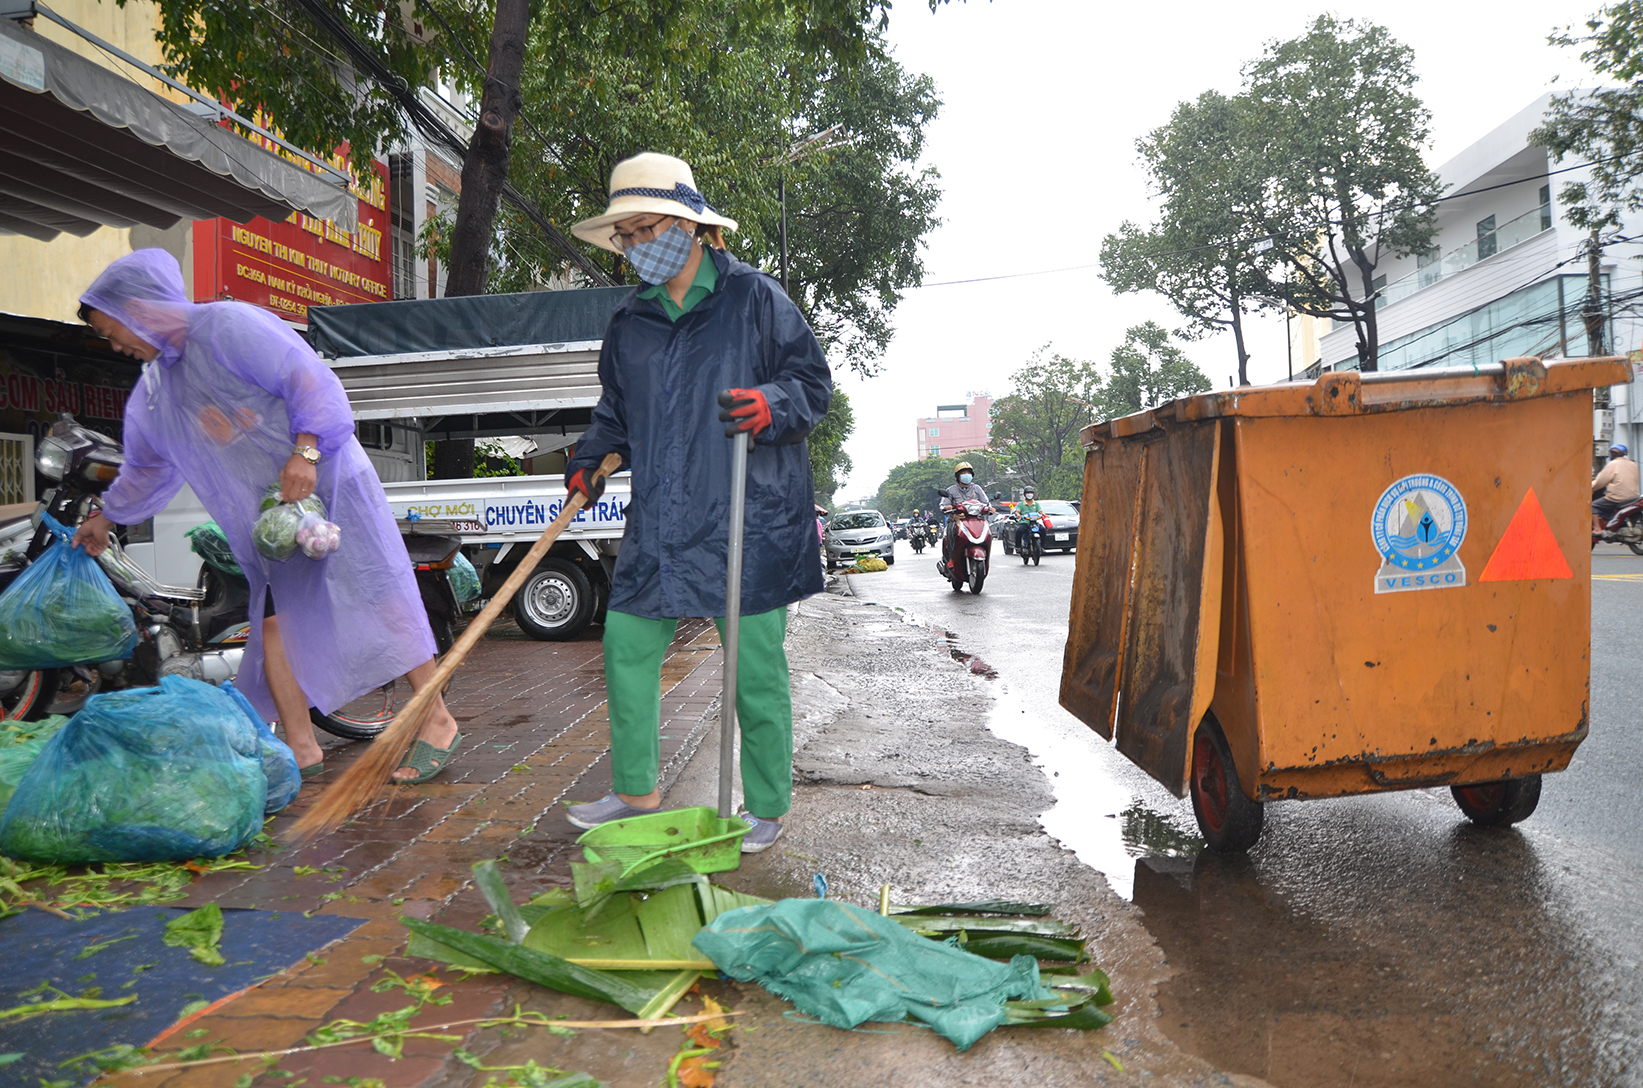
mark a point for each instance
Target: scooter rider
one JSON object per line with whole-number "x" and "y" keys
{"x": 705, "y": 332}
{"x": 1024, "y": 510}
{"x": 1619, "y": 484}
{"x": 964, "y": 489}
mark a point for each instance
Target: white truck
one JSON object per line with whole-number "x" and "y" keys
{"x": 498, "y": 519}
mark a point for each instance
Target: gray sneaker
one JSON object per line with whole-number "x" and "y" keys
{"x": 763, "y": 834}
{"x": 603, "y": 811}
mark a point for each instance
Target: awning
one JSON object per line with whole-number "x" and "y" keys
{"x": 83, "y": 147}
{"x": 479, "y": 366}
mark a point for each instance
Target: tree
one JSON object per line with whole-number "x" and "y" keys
{"x": 829, "y": 464}
{"x": 1605, "y": 128}
{"x": 858, "y": 207}
{"x": 1148, "y": 370}
{"x": 912, "y": 485}
{"x": 1343, "y": 132}
{"x": 1210, "y": 167}
{"x": 1035, "y": 428}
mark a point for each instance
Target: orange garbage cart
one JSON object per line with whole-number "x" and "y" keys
{"x": 1370, "y": 582}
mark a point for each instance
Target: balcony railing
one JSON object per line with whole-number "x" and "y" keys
{"x": 1505, "y": 236}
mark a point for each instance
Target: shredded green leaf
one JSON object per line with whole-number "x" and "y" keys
{"x": 199, "y": 931}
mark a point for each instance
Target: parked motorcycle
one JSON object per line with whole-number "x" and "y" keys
{"x": 196, "y": 631}
{"x": 973, "y": 540}
{"x": 1624, "y": 526}
{"x": 1029, "y": 538}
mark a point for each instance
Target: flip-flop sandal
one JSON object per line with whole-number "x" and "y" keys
{"x": 427, "y": 760}
{"x": 313, "y": 769}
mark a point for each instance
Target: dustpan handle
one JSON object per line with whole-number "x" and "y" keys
{"x": 733, "y": 622}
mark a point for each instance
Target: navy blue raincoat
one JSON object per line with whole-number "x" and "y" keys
{"x": 660, "y": 411}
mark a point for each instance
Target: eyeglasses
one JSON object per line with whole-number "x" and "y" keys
{"x": 640, "y": 235}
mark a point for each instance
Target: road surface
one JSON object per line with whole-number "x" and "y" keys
{"x": 1378, "y": 940}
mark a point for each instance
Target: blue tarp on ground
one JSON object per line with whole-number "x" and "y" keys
{"x": 43, "y": 948}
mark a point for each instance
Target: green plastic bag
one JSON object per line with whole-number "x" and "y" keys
{"x": 149, "y": 774}
{"x": 20, "y": 743}
{"x": 63, "y": 610}
{"x": 845, "y": 966}
{"x": 464, "y": 579}
{"x": 209, "y": 543}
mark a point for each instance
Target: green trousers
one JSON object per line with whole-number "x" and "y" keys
{"x": 634, "y": 647}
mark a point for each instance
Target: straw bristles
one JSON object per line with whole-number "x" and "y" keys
{"x": 359, "y": 784}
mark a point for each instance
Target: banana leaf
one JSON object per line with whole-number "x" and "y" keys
{"x": 1093, "y": 982}
{"x": 495, "y": 891}
{"x": 928, "y": 924}
{"x": 541, "y": 968}
{"x": 984, "y": 906}
{"x": 1083, "y": 1018}
{"x": 1004, "y": 945}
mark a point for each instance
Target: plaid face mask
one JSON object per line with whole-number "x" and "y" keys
{"x": 661, "y": 258}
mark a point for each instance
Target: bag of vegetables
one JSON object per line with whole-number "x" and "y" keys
{"x": 208, "y": 542}
{"x": 285, "y": 528}
{"x": 62, "y": 610}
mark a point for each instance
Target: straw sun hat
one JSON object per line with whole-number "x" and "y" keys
{"x": 650, "y": 184}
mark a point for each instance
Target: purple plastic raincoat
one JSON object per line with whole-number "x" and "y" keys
{"x": 219, "y": 409}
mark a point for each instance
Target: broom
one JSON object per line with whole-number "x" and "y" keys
{"x": 358, "y": 785}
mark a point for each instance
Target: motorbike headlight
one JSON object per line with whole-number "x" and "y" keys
{"x": 52, "y": 459}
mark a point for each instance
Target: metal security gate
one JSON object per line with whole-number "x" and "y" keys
{"x": 16, "y": 468}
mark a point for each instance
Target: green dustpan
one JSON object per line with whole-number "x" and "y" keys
{"x": 699, "y": 837}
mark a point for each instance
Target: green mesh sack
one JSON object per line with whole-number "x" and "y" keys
{"x": 209, "y": 543}
{"x": 464, "y": 579}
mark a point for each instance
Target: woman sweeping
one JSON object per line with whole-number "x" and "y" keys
{"x": 230, "y": 401}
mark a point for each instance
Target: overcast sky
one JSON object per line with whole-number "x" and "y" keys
{"x": 1042, "y": 103}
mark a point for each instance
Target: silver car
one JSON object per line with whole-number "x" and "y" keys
{"x": 859, "y": 533}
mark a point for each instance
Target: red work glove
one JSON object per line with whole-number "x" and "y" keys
{"x": 746, "y": 410}
{"x": 589, "y": 485}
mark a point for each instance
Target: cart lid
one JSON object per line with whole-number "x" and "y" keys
{"x": 1349, "y": 393}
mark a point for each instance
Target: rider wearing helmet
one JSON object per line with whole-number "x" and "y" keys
{"x": 964, "y": 489}
{"x": 1024, "y": 510}
{"x": 1617, "y": 481}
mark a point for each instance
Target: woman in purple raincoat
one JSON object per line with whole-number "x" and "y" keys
{"x": 231, "y": 400}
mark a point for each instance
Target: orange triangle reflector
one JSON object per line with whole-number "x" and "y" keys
{"x": 1527, "y": 549}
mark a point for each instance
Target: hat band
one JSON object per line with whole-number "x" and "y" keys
{"x": 680, "y": 192}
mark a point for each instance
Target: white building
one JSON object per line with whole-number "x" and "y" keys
{"x": 1506, "y": 276}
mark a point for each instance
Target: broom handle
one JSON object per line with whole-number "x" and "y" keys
{"x": 733, "y": 622}
{"x": 482, "y": 622}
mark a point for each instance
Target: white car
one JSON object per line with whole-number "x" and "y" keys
{"x": 857, "y": 533}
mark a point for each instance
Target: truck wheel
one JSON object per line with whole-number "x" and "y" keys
{"x": 556, "y": 602}
{"x": 1229, "y": 821}
{"x": 1499, "y": 804}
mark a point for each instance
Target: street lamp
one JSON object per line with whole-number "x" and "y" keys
{"x": 794, "y": 154}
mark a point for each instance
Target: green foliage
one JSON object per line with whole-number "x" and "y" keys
{"x": 912, "y": 485}
{"x": 829, "y": 464}
{"x": 1148, "y": 370}
{"x": 1035, "y": 428}
{"x": 1210, "y": 168}
{"x": 858, "y": 207}
{"x": 199, "y": 931}
{"x": 1342, "y": 132}
{"x": 1602, "y": 126}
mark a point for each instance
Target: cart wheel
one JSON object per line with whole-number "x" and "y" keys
{"x": 1499, "y": 804}
{"x": 1230, "y": 822}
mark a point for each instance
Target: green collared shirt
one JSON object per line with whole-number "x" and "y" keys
{"x": 707, "y": 279}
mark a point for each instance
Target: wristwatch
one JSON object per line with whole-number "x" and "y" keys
{"x": 307, "y": 453}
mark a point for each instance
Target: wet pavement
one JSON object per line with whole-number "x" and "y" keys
{"x": 1365, "y": 941}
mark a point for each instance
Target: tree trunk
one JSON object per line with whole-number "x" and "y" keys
{"x": 1368, "y": 328}
{"x": 484, "y": 173}
{"x": 1592, "y": 311}
{"x": 1238, "y": 336}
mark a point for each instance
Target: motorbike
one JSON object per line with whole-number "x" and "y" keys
{"x": 197, "y": 631}
{"x": 1624, "y": 526}
{"x": 1029, "y": 538}
{"x": 973, "y": 540}
{"x": 918, "y": 535}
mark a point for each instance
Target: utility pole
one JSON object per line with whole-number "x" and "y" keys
{"x": 1592, "y": 311}
{"x": 781, "y": 190}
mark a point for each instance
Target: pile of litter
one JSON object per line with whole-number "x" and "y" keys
{"x": 867, "y": 565}
{"x": 640, "y": 933}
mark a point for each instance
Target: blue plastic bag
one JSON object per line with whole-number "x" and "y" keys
{"x": 279, "y": 763}
{"x": 149, "y": 774}
{"x": 63, "y": 610}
